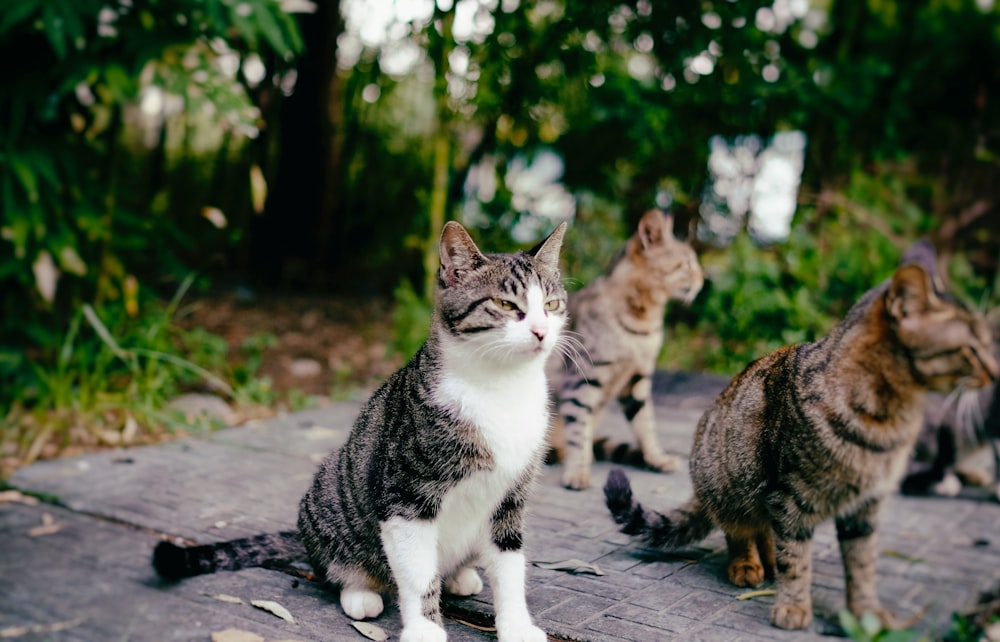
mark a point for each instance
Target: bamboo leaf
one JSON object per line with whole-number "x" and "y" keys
{"x": 273, "y": 608}
{"x": 371, "y": 631}
{"x": 571, "y": 566}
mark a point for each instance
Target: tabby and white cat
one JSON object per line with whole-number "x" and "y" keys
{"x": 954, "y": 427}
{"x": 618, "y": 319}
{"x": 434, "y": 476}
{"x": 815, "y": 431}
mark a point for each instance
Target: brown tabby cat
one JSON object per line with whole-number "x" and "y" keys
{"x": 815, "y": 431}
{"x": 618, "y": 319}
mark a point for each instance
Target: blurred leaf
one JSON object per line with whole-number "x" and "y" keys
{"x": 274, "y": 608}
{"x": 370, "y": 631}
{"x": 235, "y": 635}
{"x": 17, "y": 11}
{"x": 46, "y": 275}
{"x": 571, "y": 566}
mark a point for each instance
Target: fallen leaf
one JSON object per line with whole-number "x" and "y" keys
{"x": 749, "y": 595}
{"x": 571, "y": 566}
{"x": 902, "y": 556}
{"x": 273, "y": 608}
{"x": 473, "y": 625}
{"x": 371, "y": 631}
{"x": 10, "y": 496}
{"x": 222, "y": 597}
{"x": 236, "y": 635}
{"x": 18, "y": 631}
{"x": 48, "y": 527}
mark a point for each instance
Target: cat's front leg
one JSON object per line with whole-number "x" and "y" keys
{"x": 793, "y": 586}
{"x": 638, "y": 409}
{"x": 411, "y": 547}
{"x": 856, "y": 536}
{"x": 506, "y": 571}
{"x": 581, "y": 401}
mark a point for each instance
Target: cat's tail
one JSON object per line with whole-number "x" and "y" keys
{"x": 174, "y": 562}
{"x": 679, "y": 527}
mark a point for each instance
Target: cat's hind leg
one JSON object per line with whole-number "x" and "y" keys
{"x": 465, "y": 581}
{"x": 745, "y": 565}
{"x": 359, "y": 595}
{"x": 360, "y": 603}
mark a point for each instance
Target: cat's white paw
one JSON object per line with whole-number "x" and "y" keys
{"x": 360, "y": 604}
{"x": 950, "y": 486}
{"x": 523, "y": 633}
{"x": 422, "y": 630}
{"x": 576, "y": 477}
{"x": 464, "y": 582}
{"x": 662, "y": 462}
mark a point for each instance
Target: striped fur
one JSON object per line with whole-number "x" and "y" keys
{"x": 618, "y": 319}
{"x": 956, "y": 426}
{"x": 435, "y": 474}
{"x": 817, "y": 431}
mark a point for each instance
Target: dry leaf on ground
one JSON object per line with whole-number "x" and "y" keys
{"x": 371, "y": 631}
{"x": 236, "y": 635}
{"x": 48, "y": 527}
{"x": 18, "y": 631}
{"x": 10, "y": 496}
{"x": 273, "y": 608}
{"x": 571, "y": 566}
{"x": 222, "y": 597}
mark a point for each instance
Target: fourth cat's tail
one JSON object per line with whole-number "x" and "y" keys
{"x": 679, "y": 527}
{"x": 174, "y": 562}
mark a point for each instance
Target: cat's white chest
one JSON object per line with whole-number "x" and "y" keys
{"x": 512, "y": 416}
{"x": 510, "y": 410}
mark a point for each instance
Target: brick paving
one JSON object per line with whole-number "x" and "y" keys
{"x": 87, "y": 575}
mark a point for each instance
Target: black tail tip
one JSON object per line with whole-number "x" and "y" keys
{"x": 618, "y": 494}
{"x": 170, "y": 561}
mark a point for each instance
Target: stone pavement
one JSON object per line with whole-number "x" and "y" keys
{"x": 76, "y": 565}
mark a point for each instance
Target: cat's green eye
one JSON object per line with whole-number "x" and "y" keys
{"x": 553, "y": 305}
{"x": 504, "y": 304}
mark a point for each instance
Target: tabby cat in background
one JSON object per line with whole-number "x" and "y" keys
{"x": 956, "y": 426}
{"x": 618, "y": 319}
{"x": 434, "y": 476}
{"x": 815, "y": 431}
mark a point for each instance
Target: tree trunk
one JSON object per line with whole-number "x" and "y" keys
{"x": 290, "y": 242}
{"x": 438, "y": 206}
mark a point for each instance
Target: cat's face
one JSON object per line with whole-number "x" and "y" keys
{"x": 504, "y": 308}
{"x": 949, "y": 344}
{"x": 668, "y": 268}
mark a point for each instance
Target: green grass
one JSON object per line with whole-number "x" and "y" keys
{"x": 109, "y": 381}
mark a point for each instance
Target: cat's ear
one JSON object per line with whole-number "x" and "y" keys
{"x": 655, "y": 228}
{"x": 910, "y": 293}
{"x": 459, "y": 254}
{"x": 547, "y": 252}
{"x": 923, "y": 254}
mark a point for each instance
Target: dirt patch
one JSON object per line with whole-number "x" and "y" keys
{"x": 320, "y": 346}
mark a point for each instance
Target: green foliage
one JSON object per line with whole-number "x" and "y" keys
{"x": 86, "y": 211}
{"x": 758, "y": 299}
{"x": 411, "y": 319}
{"x": 868, "y": 628}
{"x": 113, "y": 373}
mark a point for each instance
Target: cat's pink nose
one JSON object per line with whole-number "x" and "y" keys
{"x": 539, "y": 333}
